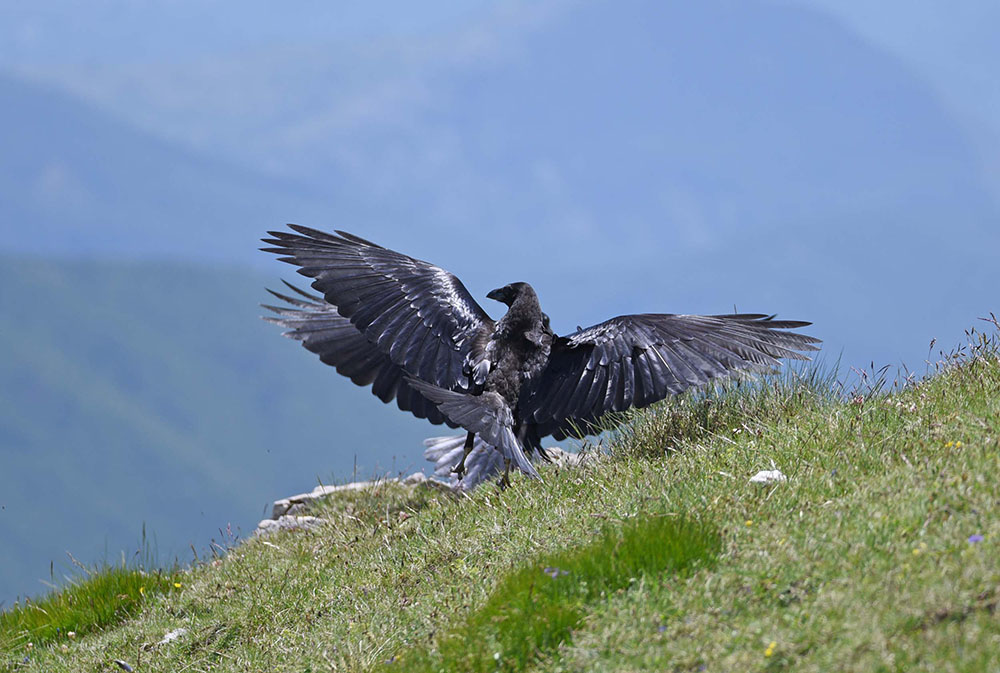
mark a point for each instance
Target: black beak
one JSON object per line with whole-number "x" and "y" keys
{"x": 496, "y": 295}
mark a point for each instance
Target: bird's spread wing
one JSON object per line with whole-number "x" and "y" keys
{"x": 418, "y": 314}
{"x": 636, "y": 360}
{"x": 338, "y": 343}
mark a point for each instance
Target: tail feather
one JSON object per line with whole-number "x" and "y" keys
{"x": 486, "y": 415}
{"x": 482, "y": 464}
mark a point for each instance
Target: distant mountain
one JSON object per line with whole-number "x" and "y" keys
{"x": 75, "y": 181}
{"x": 636, "y": 128}
{"x": 136, "y": 393}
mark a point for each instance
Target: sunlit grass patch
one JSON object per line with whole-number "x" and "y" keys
{"x": 381, "y": 503}
{"x": 102, "y": 597}
{"x": 535, "y": 608}
{"x": 730, "y": 407}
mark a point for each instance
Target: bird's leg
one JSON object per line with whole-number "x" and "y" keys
{"x": 460, "y": 468}
{"x": 505, "y": 479}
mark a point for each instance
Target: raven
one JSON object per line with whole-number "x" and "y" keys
{"x": 411, "y": 331}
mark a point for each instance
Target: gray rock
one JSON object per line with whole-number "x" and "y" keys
{"x": 268, "y": 526}
{"x": 292, "y": 512}
{"x": 415, "y": 478}
{"x": 287, "y": 506}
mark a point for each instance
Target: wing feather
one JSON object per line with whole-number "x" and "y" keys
{"x": 337, "y": 342}
{"x": 486, "y": 415}
{"x": 636, "y": 360}
{"x": 417, "y": 314}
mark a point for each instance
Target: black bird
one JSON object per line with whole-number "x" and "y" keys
{"x": 413, "y": 332}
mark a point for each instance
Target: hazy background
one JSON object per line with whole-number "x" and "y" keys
{"x": 829, "y": 161}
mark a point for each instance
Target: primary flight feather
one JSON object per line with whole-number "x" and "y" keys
{"x": 411, "y": 331}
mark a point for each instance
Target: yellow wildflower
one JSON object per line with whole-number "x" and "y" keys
{"x": 749, "y": 522}
{"x": 770, "y": 649}
{"x": 177, "y": 585}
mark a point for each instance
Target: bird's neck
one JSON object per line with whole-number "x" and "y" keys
{"x": 525, "y": 313}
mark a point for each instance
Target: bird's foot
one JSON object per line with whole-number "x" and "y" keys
{"x": 459, "y": 469}
{"x": 505, "y": 479}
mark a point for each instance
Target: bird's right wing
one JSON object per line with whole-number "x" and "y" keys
{"x": 635, "y": 360}
{"x": 418, "y": 314}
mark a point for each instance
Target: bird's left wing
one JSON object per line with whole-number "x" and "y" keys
{"x": 338, "y": 343}
{"x": 635, "y": 360}
{"x": 418, "y": 314}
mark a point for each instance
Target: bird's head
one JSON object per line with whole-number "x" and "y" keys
{"x": 508, "y": 293}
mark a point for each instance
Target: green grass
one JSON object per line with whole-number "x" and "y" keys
{"x": 861, "y": 561}
{"x": 102, "y": 597}
{"x": 535, "y": 609}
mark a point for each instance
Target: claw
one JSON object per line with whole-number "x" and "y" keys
{"x": 459, "y": 469}
{"x": 504, "y": 481}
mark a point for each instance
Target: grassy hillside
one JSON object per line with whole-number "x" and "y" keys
{"x": 878, "y": 553}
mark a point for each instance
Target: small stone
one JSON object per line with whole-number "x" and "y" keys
{"x": 173, "y": 635}
{"x": 268, "y": 526}
{"x": 280, "y": 508}
{"x": 415, "y": 478}
{"x": 768, "y": 477}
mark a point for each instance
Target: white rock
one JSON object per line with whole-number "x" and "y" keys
{"x": 288, "y": 505}
{"x": 173, "y": 635}
{"x": 268, "y": 526}
{"x": 415, "y": 478}
{"x": 768, "y": 477}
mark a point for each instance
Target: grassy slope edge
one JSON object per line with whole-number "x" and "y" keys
{"x": 878, "y": 553}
